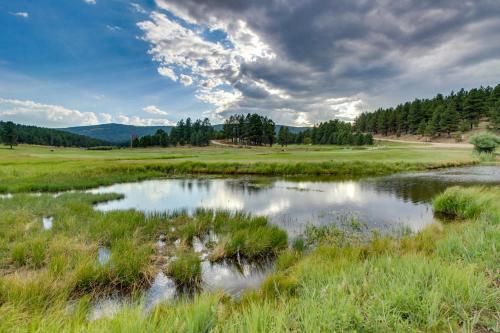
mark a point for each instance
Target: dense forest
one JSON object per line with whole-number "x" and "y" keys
{"x": 196, "y": 133}
{"x": 14, "y": 133}
{"x": 459, "y": 111}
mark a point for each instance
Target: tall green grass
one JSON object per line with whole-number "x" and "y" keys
{"x": 441, "y": 279}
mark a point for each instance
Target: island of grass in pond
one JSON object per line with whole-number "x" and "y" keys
{"x": 66, "y": 259}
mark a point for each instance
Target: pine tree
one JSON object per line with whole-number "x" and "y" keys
{"x": 435, "y": 121}
{"x": 421, "y": 128}
{"x": 382, "y": 123}
{"x": 495, "y": 116}
{"x": 415, "y": 116}
{"x": 449, "y": 118}
{"x": 473, "y": 107}
{"x": 9, "y": 134}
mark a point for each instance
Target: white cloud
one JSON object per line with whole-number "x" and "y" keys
{"x": 138, "y": 8}
{"x": 90, "y": 2}
{"x": 165, "y": 71}
{"x": 186, "y": 80}
{"x": 210, "y": 64}
{"x": 137, "y": 121}
{"x": 105, "y": 118}
{"x": 38, "y": 114}
{"x": 29, "y": 112}
{"x": 152, "y": 109}
{"x": 21, "y": 14}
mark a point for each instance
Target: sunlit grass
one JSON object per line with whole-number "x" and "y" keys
{"x": 445, "y": 278}
{"x": 36, "y": 168}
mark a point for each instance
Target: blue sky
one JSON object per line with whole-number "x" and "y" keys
{"x": 81, "y": 62}
{"x": 86, "y": 57}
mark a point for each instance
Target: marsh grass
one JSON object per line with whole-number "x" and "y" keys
{"x": 444, "y": 278}
{"x": 468, "y": 203}
{"x": 186, "y": 269}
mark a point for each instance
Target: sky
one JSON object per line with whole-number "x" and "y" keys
{"x": 152, "y": 62}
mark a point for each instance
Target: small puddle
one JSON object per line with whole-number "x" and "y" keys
{"x": 47, "y": 222}
{"x": 162, "y": 290}
{"x": 103, "y": 255}
{"x": 235, "y": 278}
{"x": 198, "y": 245}
{"x": 162, "y": 241}
{"x": 106, "y": 307}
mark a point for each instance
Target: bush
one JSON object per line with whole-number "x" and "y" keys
{"x": 485, "y": 143}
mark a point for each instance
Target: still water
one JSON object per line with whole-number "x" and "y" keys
{"x": 383, "y": 203}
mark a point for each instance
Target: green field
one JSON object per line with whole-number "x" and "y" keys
{"x": 444, "y": 278}
{"x": 38, "y": 168}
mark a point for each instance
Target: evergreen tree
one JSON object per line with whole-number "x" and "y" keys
{"x": 9, "y": 134}
{"x": 449, "y": 119}
{"x": 473, "y": 107}
{"x": 415, "y": 117}
{"x": 421, "y": 128}
{"x": 495, "y": 116}
{"x": 382, "y": 125}
{"x": 435, "y": 122}
{"x": 283, "y": 136}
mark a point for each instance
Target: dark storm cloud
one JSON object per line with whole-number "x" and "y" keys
{"x": 332, "y": 49}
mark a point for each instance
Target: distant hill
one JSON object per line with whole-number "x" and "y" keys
{"x": 117, "y": 133}
{"x": 53, "y": 137}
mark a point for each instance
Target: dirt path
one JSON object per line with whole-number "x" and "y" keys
{"x": 432, "y": 144}
{"x": 220, "y": 143}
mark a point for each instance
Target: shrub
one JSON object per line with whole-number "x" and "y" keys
{"x": 485, "y": 143}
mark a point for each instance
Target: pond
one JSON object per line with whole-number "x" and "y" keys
{"x": 384, "y": 203}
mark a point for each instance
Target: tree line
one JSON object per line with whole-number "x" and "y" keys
{"x": 333, "y": 132}
{"x": 196, "y": 133}
{"x": 258, "y": 130}
{"x": 439, "y": 115}
{"x": 251, "y": 129}
{"x": 11, "y": 134}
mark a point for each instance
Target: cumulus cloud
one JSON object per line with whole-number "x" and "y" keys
{"x": 167, "y": 72}
{"x": 152, "y": 109}
{"x": 90, "y": 2}
{"x": 21, "y": 14}
{"x": 33, "y": 113}
{"x": 186, "y": 80}
{"x": 105, "y": 118}
{"x": 30, "y": 112}
{"x": 301, "y": 62}
{"x": 137, "y": 121}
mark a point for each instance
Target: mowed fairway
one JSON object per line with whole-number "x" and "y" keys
{"x": 41, "y": 168}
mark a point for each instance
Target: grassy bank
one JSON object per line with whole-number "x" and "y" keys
{"x": 443, "y": 279}
{"x": 32, "y": 168}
